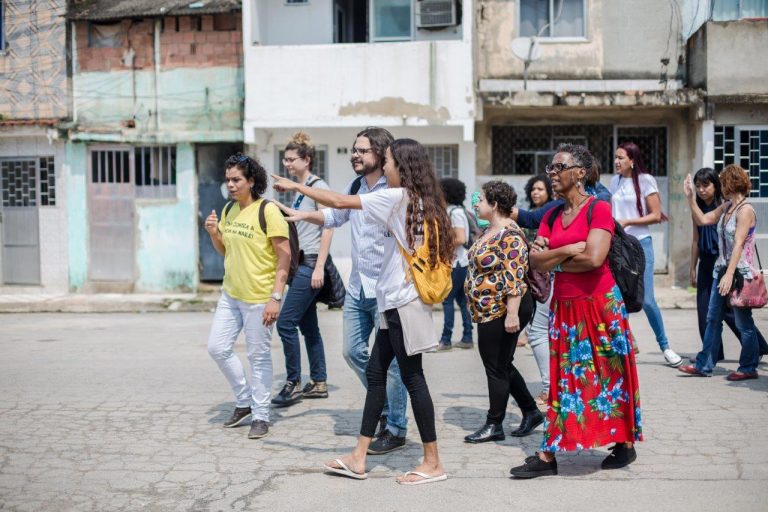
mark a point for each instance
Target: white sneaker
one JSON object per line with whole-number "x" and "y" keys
{"x": 672, "y": 358}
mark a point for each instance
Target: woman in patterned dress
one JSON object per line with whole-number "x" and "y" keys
{"x": 594, "y": 399}
{"x": 501, "y": 305}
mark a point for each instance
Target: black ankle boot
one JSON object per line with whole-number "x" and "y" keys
{"x": 531, "y": 420}
{"x": 488, "y": 432}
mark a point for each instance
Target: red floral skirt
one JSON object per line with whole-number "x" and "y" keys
{"x": 594, "y": 398}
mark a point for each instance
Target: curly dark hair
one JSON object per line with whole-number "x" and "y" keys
{"x": 529, "y": 188}
{"x": 501, "y": 194}
{"x": 251, "y": 169}
{"x": 581, "y": 155}
{"x": 454, "y": 190}
{"x": 426, "y": 202}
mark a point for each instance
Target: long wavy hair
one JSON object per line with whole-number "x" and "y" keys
{"x": 638, "y": 168}
{"x": 425, "y": 199}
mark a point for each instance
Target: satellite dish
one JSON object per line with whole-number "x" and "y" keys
{"x": 526, "y": 48}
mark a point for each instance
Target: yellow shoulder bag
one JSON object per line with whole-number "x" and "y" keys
{"x": 432, "y": 283}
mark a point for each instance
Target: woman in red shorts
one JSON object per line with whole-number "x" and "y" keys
{"x": 594, "y": 397}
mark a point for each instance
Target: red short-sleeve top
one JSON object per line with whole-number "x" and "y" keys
{"x": 577, "y": 285}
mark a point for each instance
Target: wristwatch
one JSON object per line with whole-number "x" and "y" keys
{"x": 277, "y": 296}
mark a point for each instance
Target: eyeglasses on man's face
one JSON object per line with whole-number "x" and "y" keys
{"x": 555, "y": 169}
{"x": 361, "y": 151}
{"x": 289, "y": 160}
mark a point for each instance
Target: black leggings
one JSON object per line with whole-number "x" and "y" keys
{"x": 497, "y": 350}
{"x": 389, "y": 344}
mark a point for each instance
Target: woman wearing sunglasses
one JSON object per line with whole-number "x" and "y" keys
{"x": 594, "y": 398}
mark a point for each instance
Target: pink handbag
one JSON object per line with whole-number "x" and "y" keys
{"x": 753, "y": 294}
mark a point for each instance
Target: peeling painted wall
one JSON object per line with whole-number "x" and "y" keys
{"x": 77, "y": 215}
{"x": 166, "y": 233}
{"x": 207, "y": 99}
{"x": 424, "y": 82}
{"x": 623, "y": 40}
{"x": 729, "y": 57}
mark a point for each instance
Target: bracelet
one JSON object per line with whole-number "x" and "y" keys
{"x": 557, "y": 268}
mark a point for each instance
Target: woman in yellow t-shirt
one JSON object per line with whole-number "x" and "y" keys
{"x": 256, "y": 263}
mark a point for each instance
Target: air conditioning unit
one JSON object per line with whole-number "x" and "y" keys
{"x": 435, "y": 13}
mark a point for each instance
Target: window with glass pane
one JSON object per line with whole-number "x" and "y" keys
{"x": 727, "y": 10}
{"x": 391, "y": 19}
{"x": 552, "y": 18}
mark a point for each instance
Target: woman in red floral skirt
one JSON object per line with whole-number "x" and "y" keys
{"x": 594, "y": 398}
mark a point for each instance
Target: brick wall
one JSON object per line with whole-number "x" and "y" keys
{"x": 196, "y": 43}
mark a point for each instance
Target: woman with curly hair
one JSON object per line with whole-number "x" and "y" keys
{"x": 502, "y": 305}
{"x": 736, "y": 221}
{"x": 594, "y": 399}
{"x": 256, "y": 263}
{"x": 412, "y": 198}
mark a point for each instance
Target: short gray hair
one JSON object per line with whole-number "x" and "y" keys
{"x": 581, "y": 155}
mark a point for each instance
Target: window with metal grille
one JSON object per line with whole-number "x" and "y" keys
{"x": 652, "y": 141}
{"x": 445, "y": 159}
{"x": 110, "y": 166}
{"x": 527, "y": 149}
{"x": 155, "y": 172}
{"x": 319, "y": 168}
{"x": 47, "y": 182}
{"x": 27, "y": 182}
{"x": 18, "y": 182}
{"x": 746, "y": 146}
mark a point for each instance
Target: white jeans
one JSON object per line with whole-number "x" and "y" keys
{"x": 231, "y": 317}
{"x": 538, "y": 339}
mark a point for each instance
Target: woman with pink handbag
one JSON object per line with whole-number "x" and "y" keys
{"x": 737, "y": 279}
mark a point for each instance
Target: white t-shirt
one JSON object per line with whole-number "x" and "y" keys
{"x": 624, "y": 201}
{"x": 459, "y": 220}
{"x": 388, "y": 208}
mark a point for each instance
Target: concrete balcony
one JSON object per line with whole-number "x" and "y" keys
{"x": 417, "y": 83}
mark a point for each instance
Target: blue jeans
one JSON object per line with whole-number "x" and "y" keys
{"x": 649, "y": 302}
{"x": 704, "y": 292}
{"x": 361, "y": 316}
{"x": 458, "y": 275}
{"x": 713, "y": 336}
{"x": 300, "y": 311}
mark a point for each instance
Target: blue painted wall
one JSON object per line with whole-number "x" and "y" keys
{"x": 166, "y": 235}
{"x": 77, "y": 214}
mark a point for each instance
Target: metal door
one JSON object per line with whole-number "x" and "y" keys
{"x": 19, "y": 221}
{"x": 212, "y": 195}
{"x": 111, "y": 214}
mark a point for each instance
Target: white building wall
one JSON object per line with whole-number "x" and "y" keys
{"x": 54, "y": 263}
{"x": 340, "y": 172}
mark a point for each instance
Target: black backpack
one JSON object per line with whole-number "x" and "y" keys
{"x": 625, "y": 258}
{"x": 293, "y": 235}
{"x": 474, "y": 228}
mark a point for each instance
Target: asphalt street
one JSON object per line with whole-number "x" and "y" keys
{"x": 124, "y": 412}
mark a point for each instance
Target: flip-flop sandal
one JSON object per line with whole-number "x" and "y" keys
{"x": 345, "y": 471}
{"x": 425, "y": 478}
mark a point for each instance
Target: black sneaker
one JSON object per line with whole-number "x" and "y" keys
{"x": 238, "y": 417}
{"x": 315, "y": 390}
{"x": 289, "y": 395}
{"x": 386, "y": 443}
{"x": 619, "y": 457}
{"x": 534, "y": 467}
{"x": 259, "y": 429}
